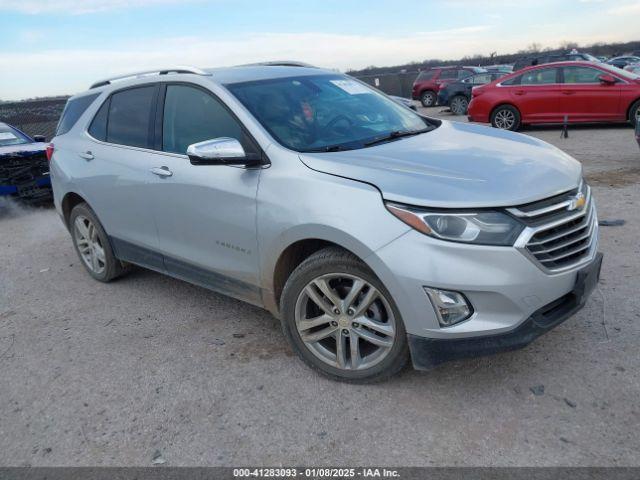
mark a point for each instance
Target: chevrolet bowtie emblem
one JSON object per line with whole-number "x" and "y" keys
{"x": 577, "y": 202}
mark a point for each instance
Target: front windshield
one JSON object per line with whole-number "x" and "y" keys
{"x": 619, "y": 71}
{"x": 10, "y": 136}
{"x": 325, "y": 112}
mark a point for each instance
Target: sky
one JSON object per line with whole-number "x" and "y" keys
{"x": 55, "y": 47}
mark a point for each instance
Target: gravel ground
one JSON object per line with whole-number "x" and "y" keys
{"x": 95, "y": 374}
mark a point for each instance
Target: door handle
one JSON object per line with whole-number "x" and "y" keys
{"x": 519, "y": 92}
{"x": 162, "y": 171}
{"x": 88, "y": 156}
{"x": 568, "y": 92}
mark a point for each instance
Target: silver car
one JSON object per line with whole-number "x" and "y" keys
{"x": 375, "y": 234}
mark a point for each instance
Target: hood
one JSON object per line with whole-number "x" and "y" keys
{"x": 457, "y": 165}
{"x": 23, "y": 150}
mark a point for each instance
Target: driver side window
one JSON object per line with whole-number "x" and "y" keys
{"x": 192, "y": 115}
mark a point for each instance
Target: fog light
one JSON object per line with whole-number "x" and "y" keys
{"x": 451, "y": 307}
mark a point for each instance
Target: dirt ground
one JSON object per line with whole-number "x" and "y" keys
{"x": 117, "y": 374}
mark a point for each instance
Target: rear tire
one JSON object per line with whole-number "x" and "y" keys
{"x": 365, "y": 322}
{"x": 459, "y": 105}
{"x": 428, "y": 99}
{"x": 634, "y": 113}
{"x": 506, "y": 117}
{"x": 92, "y": 245}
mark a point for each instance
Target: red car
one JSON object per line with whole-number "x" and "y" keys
{"x": 578, "y": 92}
{"x": 428, "y": 82}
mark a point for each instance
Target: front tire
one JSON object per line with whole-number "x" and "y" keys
{"x": 428, "y": 99}
{"x": 506, "y": 117}
{"x": 92, "y": 245}
{"x": 341, "y": 320}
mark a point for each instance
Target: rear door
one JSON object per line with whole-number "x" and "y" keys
{"x": 537, "y": 95}
{"x": 585, "y": 98}
{"x": 116, "y": 176}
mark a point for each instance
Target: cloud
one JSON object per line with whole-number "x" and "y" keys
{"x": 75, "y": 7}
{"x": 73, "y": 69}
{"x": 627, "y": 9}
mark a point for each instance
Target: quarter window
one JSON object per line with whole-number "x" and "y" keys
{"x": 543, "y": 76}
{"x": 129, "y": 121}
{"x": 192, "y": 115}
{"x": 581, "y": 75}
{"x": 72, "y": 112}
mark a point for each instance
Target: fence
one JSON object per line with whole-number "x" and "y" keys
{"x": 398, "y": 84}
{"x": 33, "y": 117}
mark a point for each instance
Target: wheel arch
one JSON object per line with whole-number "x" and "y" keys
{"x": 633, "y": 102}
{"x": 294, "y": 249}
{"x": 505, "y": 104}
{"x": 69, "y": 201}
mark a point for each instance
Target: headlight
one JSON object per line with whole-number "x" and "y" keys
{"x": 482, "y": 228}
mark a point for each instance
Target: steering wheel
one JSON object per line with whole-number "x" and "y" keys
{"x": 335, "y": 120}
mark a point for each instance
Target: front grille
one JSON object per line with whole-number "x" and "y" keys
{"x": 560, "y": 234}
{"x": 22, "y": 169}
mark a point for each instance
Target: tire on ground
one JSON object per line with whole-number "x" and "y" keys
{"x": 337, "y": 260}
{"x": 500, "y": 112}
{"x": 428, "y": 98}
{"x": 113, "y": 267}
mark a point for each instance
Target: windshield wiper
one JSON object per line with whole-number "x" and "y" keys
{"x": 397, "y": 134}
{"x": 330, "y": 148}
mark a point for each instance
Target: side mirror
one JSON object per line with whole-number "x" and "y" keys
{"x": 607, "y": 79}
{"x": 219, "y": 151}
{"x": 39, "y": 138}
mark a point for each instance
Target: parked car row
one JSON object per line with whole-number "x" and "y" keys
{"x": 429, "y": 82}
{"x": 564, "y": 92}
{"x": 457, "y": 95}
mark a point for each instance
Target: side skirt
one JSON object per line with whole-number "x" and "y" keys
{"x": 182, "y": 270}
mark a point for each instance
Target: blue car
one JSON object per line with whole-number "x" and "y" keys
{"x": 24, "y": 169}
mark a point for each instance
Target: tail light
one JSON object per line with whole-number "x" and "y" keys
{"x": 49, "y": 151}
{"x": 475, "y": 91}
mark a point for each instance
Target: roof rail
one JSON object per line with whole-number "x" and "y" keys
{"x": 279, "y": 63}
{"x": 163, "y": 71}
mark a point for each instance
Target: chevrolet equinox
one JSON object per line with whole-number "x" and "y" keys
{"x": 375, "y": 234}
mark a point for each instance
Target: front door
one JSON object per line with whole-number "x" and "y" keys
{"x": 206, "y": 214}
{"x": 586, "y": 99}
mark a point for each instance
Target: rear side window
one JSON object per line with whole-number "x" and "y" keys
{"x": 542, "y": 76}
{"x": 512, "y": 81}
{"x": 192, "y": 115}
{"x": 446, "y": 74}
{"x": 73, "y": 110}
{"x": 129, "y": 119}
{"x": 425, "y": 75}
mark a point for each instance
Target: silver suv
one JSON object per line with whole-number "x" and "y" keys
{"x": 374, "y": 233}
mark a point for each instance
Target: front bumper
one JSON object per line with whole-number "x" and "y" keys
{"x": 427, "y": 353}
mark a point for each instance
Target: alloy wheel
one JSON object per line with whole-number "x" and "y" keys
{"x": 428, "y": 99}
{"x": 505, "y": 119}
{"x": 89, "y": 245}
{"x": 345, "y": 321}
{"x": 459, "y": 105}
